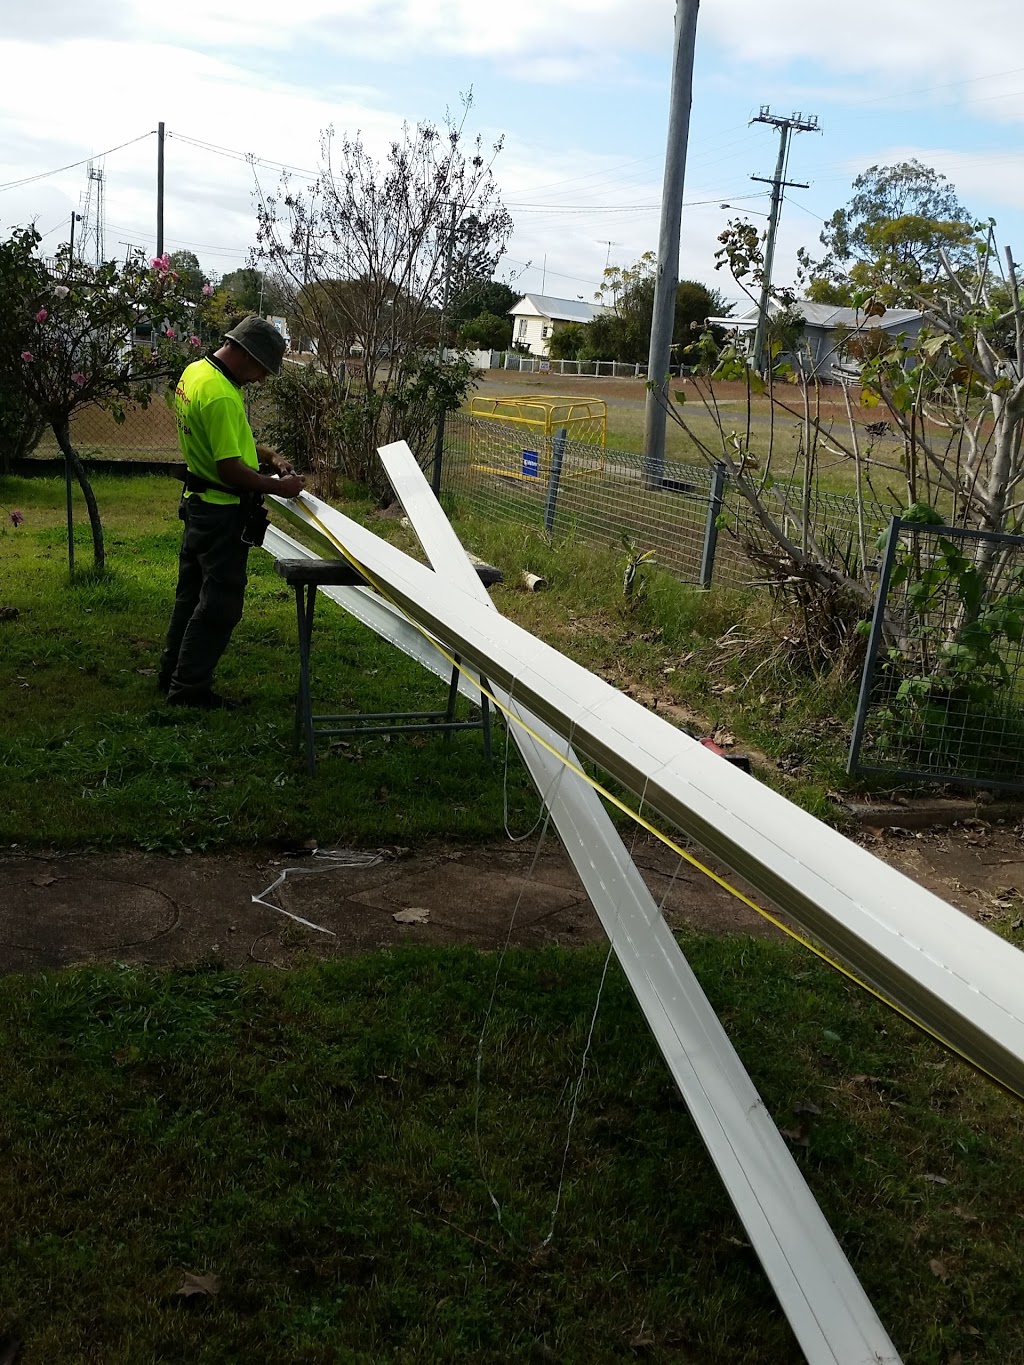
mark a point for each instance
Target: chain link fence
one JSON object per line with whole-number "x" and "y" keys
{"x": 942, "y": 694}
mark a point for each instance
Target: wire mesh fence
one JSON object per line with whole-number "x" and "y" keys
{"x": 942, "y": 696}
{"x": 698, "y": 525}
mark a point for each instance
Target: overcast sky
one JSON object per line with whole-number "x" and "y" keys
{"x": 578, "y": 88}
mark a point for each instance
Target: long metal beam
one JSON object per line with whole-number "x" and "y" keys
{"x": 372, "y": 610}
{"x": 831, "y": 1316}
{"x": 957, "y": 978}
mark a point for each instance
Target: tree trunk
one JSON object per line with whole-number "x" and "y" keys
{"x": 62, "y": 431}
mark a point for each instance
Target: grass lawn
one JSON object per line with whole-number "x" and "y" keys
{"x": 310, "y": 1138}
{"x": 314, "y": 1141}
{"x": 92, "y": 756}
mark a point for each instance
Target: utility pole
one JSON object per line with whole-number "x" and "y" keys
{"x": 160, "y": 189}
{"x": 667, "y": 278}
{"x": 786, "y": 126}
{"x": 75, "y": 218}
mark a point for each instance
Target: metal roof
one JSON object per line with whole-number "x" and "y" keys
{"x": 829, "y": 315}
{"x": 558, "y": 310}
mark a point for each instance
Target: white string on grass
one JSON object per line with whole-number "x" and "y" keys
{"x": 330, "y": 861}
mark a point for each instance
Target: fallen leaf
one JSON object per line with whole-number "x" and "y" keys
{"x": 939, "y": 1270}
{"x": 799, "y": 1137}
{"x": 641, "y": 1341}
{"x": 413, "y": 914}
{"x": 191, "y": 1285}
{"x": 935, "y": 1179}
{"x": 44, "y": 879}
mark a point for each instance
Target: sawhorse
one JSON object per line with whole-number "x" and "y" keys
{"x": 304, "y": 576}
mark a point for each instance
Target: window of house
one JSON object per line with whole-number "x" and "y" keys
{"x": 522, "y": 327}
{"x": 544, "y": 331}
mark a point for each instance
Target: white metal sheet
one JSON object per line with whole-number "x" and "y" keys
{"x": 830, "y": 1315}
{"x": 364, "y": 605}
{"x": 955, "y": 976}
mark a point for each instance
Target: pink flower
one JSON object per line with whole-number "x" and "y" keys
{"x": 27, "y": 357}
{"x": 207, "y": 290}
{"x": 61, "y": 291}
{"x": 42, "y": 315}
{"x": 15, "y": 517}
{"x": 79, "y": 378}
{"x": 161, "y": 263}
{"x": 194, "y": 341}
{"x": 171, "y": 333}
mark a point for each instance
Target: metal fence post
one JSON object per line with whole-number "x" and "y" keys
{"x": 435, "y": 473}
{"x": 874, "y": 639}
{"x": 557, "y": 455}
{"x": 716, "y": 499}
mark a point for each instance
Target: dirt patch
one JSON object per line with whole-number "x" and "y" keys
{"x": 61, "y": 910}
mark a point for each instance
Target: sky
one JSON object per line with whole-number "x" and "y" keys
{"x": 577, "y": 90}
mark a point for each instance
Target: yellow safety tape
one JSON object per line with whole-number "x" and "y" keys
{"x": 660, "y": 835}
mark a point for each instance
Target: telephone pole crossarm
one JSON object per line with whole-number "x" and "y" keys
{"x": 787, "y": 124}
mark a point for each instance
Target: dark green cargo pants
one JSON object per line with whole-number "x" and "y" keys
{"x": 209, "y": 597}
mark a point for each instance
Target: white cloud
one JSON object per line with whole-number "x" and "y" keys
{"x": 911, "y": 46}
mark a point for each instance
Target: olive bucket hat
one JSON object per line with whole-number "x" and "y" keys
{"x": 261, "y": 340}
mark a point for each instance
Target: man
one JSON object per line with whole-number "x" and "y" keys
{"x": 221, "y": 506}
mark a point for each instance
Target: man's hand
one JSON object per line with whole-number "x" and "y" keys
{"x": 277, "y": 462}
{"x": 290, "y": 485}
{"x": 238, "y": 475}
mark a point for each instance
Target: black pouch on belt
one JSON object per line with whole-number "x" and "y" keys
{"x": 256, "y": 520}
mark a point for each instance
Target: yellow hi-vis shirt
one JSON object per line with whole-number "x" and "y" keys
{"x": 212, "y": 426}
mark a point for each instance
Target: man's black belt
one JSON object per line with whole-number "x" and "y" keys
{"x": 194, "y": 483}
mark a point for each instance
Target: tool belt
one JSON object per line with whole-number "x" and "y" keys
{"x": 256, "y": 520}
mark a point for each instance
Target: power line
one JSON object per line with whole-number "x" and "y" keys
{"x": 233, "y": 154}
{"x": 43, "y": 175}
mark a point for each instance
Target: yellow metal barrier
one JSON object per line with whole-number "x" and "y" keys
{"x": 585, "y": 421}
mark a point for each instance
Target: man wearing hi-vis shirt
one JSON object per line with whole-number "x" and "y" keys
{"x": 221, "y": 506}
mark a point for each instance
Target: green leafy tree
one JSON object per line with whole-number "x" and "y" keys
{"x": 67, "y": 340}
{"x": 477, "y": 297}
{"x": 568, "y": 342}
{"x": 625, "y": 333}
{"x": 890, "y": 239}
{"x": 487, "y": 332}
{"x": 255, "y": 291}
{"x": 185, "y": 264}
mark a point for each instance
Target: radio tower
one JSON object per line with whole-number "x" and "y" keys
{"x": 93, "y": 215}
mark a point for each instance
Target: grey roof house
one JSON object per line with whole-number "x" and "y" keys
{"x": 825, "y": 329}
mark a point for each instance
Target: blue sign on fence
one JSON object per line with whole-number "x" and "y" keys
{"x": 531, "y": 464}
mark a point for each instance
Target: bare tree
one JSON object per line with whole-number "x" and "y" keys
{"x": 376, "y": 250}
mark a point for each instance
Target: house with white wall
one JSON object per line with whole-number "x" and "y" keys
{"x": 536, "y": 317}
